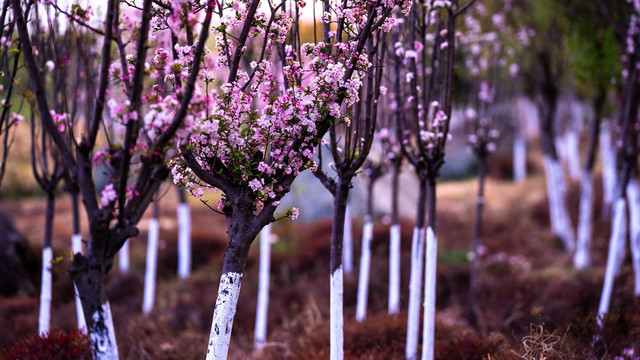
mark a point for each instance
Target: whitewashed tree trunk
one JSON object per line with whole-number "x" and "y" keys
{"x": 76, "y": 247}
{"x": 107, "y": 348}
{"x": 519, "y": 158}
{"x": 223, "y": 314}
{"x": 394, "y": 269}
{"x": 581, "y": 259}
{"x": 551, "y": 192}
{"x": 619, "y": 225}
{"x": 347, "y": 245}
{"x": 184, "y": 240}
{"x": 561, "y": 151}
{"x": 415, "y": 293}
{"x": 633, "y": 197}
{"x": 617, "y": 235}
{"x": 44, "y": 318}
{"x": 365, "y": 267}
{"x": 150, "y": 269}
{"x": 123, "y": 257}
{"x": 608, "y": 167}
{"x": 560, "y": 221}
{"x": 431, "y": 262}
{"x": 260, "y": 336}
{"x": 573, "y": 154}
{"x": 336, "y": 319}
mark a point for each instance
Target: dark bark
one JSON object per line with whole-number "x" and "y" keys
{"x": 337, "y": 230}
{"x": 476, "y": 242}
{"x": 373, "y": 173}
{"x": 48, "y": 222}
{"x": 242, "y": 228}
{"x": 598, "y": 106}
{"x": 395, "y": 179}
{"x": 181, "y": 196}
{"x": 431, "y": 202}
{"x": 548, "y": 105}
{"x": 422, "y": 203}
{"x": 628, "y": 153}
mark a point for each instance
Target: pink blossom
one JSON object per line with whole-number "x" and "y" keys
{"x": 107, "y": 195}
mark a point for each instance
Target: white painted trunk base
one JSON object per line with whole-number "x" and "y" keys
{"x": 365, "y": 267}
{"x": 617, "y": 235}
{"x": 394, "y": 269}
{"x": 431, "y": 262}
{"x": 415, "y": 293}
{"x": 581, "y": 258}
{"x": 347, "y": 243}
{"x": 184, "y": 240}
{"x": 560, "y": 221}
{"x": 619, "y": 227}
{"x": 260, "y": 336}
{"x": 633, "y": 197}
{"x": 608, "y": 166}
{"x": 151, "y": 265}
{"x": 223, "y": 314}
{"x": 519, "y": 158}
{"x": 336, "y": 317}
{"x": 107, "y": 347}
{"x": 123, "y": 257}
{"x": 76, "y": 247}
{"x": 573, "y": 155}
{"x": 44, "y": 318}
{"x": 561, "y": 150}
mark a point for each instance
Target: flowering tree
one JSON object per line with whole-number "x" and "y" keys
{"x": 489, "y": 59}
{"x": 136, "y": 157}
{"x": 423, "y": 82}
{"x": 628, "y": 151}
{"x": 545, "y": 74}
{"x": 373, "y": 170}
{"x": 393, "y": 161}
{"x": 596, "y": 61}
{"x": 48, "y": 171}
{"x": 251, "y": 153}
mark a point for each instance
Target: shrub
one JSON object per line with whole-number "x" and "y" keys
{"x": 59, "y": 345}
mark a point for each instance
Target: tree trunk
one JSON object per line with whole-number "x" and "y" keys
{"x": 263, "y": 288}
{"x": 44, "y": 318}
{"x": 347, "y": 249}
{"x": 415, "y": 277}
{"x": 184, "y": 237}
{"x": 560, "y": 221}
{"x": 123, "y": 257}
{"x": 336, "y": 318}
{"x": 76, "y": 247}
{"x": 608, "y": 170}
{"x": 365, "y": 266}
{"x": 365, "y": 259}
{"x": 151, "y": 262}
{"x": 476, "y": 243}
{"x": 241, "y": 235}
{"x": 431, "y": 262}
{"x": 519, "y": 157}
{"x": 394, "y": 244}
{"x": 573, "y": 157}
{"x": 581, "y": 259}
{"x": 89, "y": 276}
{"x": 617, "y": 235}
{"x": 633, "y": 197}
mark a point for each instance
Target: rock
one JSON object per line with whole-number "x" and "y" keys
{"x": 16, "y": 258}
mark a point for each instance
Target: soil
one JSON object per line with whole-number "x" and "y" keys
{"x": 532, "y": 303}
